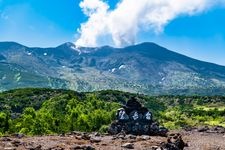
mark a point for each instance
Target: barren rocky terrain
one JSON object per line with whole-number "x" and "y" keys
{"x": 199, "y": 139}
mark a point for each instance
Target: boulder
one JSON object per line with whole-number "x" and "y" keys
{"x": 85, "y": 136}
{"x": 82, "y": 147}
{"x": 128, "y": 145}
{"x": 18, "y": 135}
{"x": 203, "y": 129}
{"x": 95, "y": 139}
{"x": 174, "y": 142}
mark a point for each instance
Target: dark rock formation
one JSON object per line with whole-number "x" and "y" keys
{"x": 135, "y": 119}
{"x": 174, "y": 142}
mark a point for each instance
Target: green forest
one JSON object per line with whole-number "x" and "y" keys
{"x": 33, "y": 111}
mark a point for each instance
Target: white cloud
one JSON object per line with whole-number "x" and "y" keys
{"x": 131, "y": 16}
{"x": 90, "y": 31}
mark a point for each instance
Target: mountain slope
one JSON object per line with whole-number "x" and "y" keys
{"x": 144, "y": 68}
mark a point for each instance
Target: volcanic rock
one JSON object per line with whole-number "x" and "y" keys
{"x": 128, "y": 145}
{"x": 135, "y": 119}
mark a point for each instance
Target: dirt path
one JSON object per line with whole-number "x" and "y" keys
{"x": 195, "y": 140}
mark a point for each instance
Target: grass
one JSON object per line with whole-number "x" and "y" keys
{"x": 209, "y": 108}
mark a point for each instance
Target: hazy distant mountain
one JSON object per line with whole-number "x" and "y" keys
{"x": 144, "y": 68}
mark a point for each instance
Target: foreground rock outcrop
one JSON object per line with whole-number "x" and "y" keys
{"x": 135, "y": 119}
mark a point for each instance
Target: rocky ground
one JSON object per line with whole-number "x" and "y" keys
{"x": 196, "y": 139}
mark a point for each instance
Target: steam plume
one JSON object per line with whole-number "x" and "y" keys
{"x": 122, "y": 24}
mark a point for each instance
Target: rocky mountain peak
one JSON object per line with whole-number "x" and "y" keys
{"x": 144, "y": 68}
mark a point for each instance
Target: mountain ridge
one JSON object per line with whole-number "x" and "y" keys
{"x": 144, "y": 68}
{"x": 107, "y": 46}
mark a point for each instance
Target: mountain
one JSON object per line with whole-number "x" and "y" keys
{"x": 144, "y": 68}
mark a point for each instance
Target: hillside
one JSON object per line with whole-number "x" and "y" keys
{"x": 46, "y": 111}
{"x": 145, "y": 68}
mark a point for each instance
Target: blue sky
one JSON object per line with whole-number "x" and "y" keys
{"x": 47, "y": 23}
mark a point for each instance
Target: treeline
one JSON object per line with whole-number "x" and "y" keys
{"x": 47, "y": 111}
{"x": 61, "y": 114}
